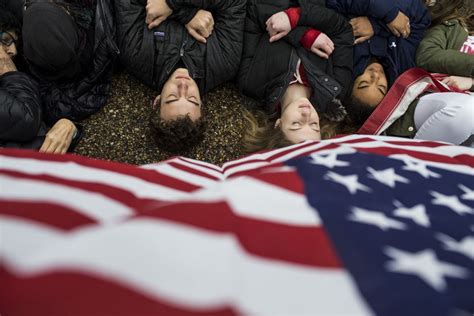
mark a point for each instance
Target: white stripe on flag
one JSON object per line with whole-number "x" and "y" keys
{"x": 75, "y": 172}
{"x": 259, "y": 200}
{"x": 193, "y": 268}
{"x": 182, "y": 175}
{"x": 91, "y": 204}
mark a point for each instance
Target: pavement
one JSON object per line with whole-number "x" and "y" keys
{"x": 120, "y": 130}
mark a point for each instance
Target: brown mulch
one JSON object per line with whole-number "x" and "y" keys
{"x": 120, "y": 131}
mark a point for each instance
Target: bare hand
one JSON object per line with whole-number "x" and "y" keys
{"x": 157, "y": 11}
{"x": 6, "y": 63}
{"x": 323, "y": 46}
{"x": 59, "y": 137}
{"x": 462, "y": 83}
{"x": 400, "y": 26}
{"x": 278, "y": 26}
{"x": 362, "y": 29}
{"x": 201, "y": 26}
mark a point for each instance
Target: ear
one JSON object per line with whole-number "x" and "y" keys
{"x": 156, "y": 102}
{"x": 277, "y": 123}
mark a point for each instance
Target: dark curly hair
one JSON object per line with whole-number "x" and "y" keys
{"x": 358, "y": 111}
{"x": 179, "y": 135}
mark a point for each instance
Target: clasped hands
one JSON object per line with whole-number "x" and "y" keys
{"x": 200, "y": 27}
{"x": 278, "y": 26}
{"x": 363, "y": 30}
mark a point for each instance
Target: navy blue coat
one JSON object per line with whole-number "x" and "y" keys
{"x": 396, "y": 54}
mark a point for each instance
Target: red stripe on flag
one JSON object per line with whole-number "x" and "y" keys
{"x": 116, "y": 194}
{"x": 46, "y": 213}
{"x": 129, "y": 170}
{"x": 303, "y": 245}
{"x": 192, "y": 171}
{"x": 74, "y": 293}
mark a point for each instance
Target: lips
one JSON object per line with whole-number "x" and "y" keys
{"x": 183, "y": 77}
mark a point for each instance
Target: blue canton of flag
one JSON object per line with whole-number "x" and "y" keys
{"x": 403, "y": 227}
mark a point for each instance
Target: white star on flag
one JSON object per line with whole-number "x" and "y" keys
{"x": 416, "y": 213}
{"x": 387, "y": 176}
{"x": 452, "y": 202}
{"x": 350, "y": 182}
{"x": 419, "y": 168}
{"x": 468, "y": 193}
{"x": 425, "y": 265}
{"x": 375, "y": 218}
{"x": 464, "y": 246}
{"x": 329, "y": 161}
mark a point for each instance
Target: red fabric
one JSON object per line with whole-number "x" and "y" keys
{"x": 293, "y": 15}
{"x": 303, "y": 76}
{"x": 309, "y": 37}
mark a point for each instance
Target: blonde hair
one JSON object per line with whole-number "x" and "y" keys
{"x": 261, "y": 133}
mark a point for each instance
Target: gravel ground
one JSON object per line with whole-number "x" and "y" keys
{"x": 120, "y": 131}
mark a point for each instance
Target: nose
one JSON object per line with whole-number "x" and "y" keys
{"x": 183, "y": 86}
{"x": 305, "y": 113}
{"x": 375, "y": 75}
{"x": 11, "y": 50}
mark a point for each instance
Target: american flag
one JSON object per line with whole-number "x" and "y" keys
{"x": 355, "y": 225}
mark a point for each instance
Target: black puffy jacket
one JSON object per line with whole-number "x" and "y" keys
{"x": 20, "y": 111}
{"x": 84, "y": 96}
{"x": 151, "y": 55}
{"x": 267, "y": 68}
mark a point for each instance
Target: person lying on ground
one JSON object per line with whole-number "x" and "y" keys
{"x": 21, "y": 123}
{"x": 297, "y": 62}
{"x": 387, "y": 34}
{"x": 70, "y": 50}
{"x": 182, "y": 49}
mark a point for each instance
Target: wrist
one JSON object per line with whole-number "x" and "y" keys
{"x": 293, "y": 15}
{"x": 308, "y": 38}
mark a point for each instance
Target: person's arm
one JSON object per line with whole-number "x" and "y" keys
{"x": 433, "y": 56}
{"x": 20, "y": 107}
{"x": 408, "y": 46}
{"x": 384, "y": 10}
{"x": 224, "y": 46}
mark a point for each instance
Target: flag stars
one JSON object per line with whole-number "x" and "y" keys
{"x": 425, "y": 265}
{"x": 464, "y": 246}
{"x": 375, "y": 218}
{"x": 351, "y": 182}
{"x": 420, "y": 168}
{"x": 387, "y": 176}
{"x": 452, "y": 202}
{"x": 416, "y": 213}
{"x": 468, "y": 193}
{"x": 329, "y": 161}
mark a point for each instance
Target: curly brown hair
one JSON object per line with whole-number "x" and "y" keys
{"x": 179, "y": 135}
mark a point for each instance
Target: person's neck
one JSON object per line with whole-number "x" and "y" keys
{"x": 294, "y": 92}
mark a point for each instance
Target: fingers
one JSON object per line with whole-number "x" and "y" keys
{"x": 319, "y": 52}
{"x": 46, "y": 145}
{"x": 395, "y": 32}
{"x": 361, "y": 39}
{"x": 198, "y": 37}
{"x": 276, "y": 37}
{"x": 156, "y": 22}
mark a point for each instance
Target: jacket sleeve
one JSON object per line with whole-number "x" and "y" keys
{"x": 224, "y": 46}
{"x": 385, "y": 10}
{"x": 433, "y": 56}
{"x": 321, "y": 18}
{"x": 342, "y": 59}
{"x": 20, "y": 107}
{"x": 408, "y": 46}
